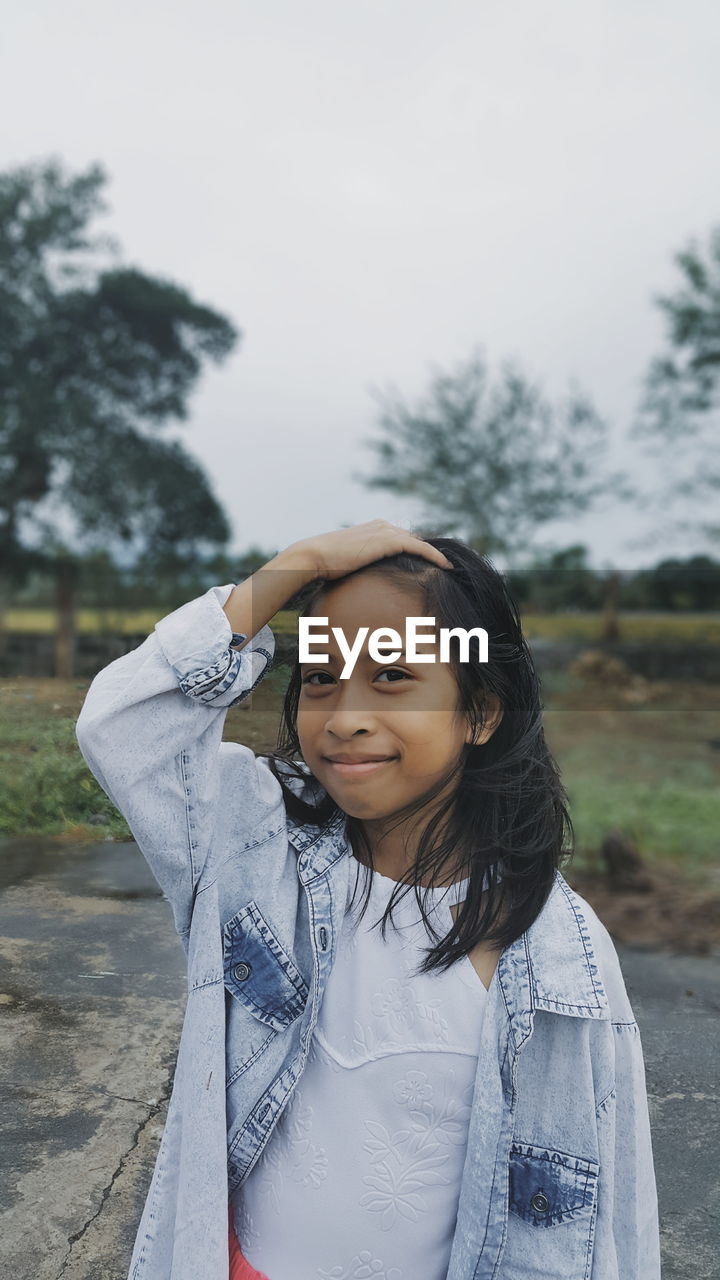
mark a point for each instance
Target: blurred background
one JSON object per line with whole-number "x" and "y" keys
{"x": 270, "y": 270}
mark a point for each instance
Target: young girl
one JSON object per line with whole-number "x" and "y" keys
{"x": 408, "y": 1052}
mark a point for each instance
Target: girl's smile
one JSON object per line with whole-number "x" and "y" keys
{"x": 358, "y": 768}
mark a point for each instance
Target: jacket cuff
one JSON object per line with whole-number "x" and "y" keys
{"x": 196, "y": 640}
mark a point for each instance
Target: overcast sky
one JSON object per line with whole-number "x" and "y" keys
{"x": 371, "y": 190}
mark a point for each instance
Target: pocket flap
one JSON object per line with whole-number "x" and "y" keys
{"x": 547, "y": 1186}
{"x": 258, "y": 970}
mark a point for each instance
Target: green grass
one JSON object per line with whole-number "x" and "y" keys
{"x": 697, "y": 628}
{"x": 45, "y": 785}
{"x": 126, "y": 622}
{"x": 672, "y": 821}
{"x": 684, "y": 627}
{"x": 650, "y": 771}
{"x": 55, "y": 797}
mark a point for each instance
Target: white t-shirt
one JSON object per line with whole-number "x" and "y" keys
{"x": 361, "y": 1175}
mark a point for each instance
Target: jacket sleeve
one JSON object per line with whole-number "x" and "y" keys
{"x": 627, "y": 1242}
{"x": 150, "y": 730}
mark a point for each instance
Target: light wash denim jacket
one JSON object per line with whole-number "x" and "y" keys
{"x": 558, "y": 1180}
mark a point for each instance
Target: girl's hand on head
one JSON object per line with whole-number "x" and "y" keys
{"x": 346, "y": 550}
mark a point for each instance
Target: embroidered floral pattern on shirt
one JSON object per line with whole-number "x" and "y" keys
{"x": 247, "y": 1234}
{"x": 413, "y": 1089}
{"x": 395, "y": 1002}
{"x": 409, "y": 1161}
{"x": 292, "y": 1154}
{"x": 397, "y": 1011}
{"x": 363, "y": 1267}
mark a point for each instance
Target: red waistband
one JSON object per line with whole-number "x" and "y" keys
{"x": 240, "y": 1268}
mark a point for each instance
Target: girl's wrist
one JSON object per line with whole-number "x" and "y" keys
{"x": 299, "y": 560}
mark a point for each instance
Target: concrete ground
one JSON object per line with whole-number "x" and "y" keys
{"x": 92, "y": 995}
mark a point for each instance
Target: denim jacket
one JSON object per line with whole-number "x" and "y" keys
{"x": 558, "y": 1180}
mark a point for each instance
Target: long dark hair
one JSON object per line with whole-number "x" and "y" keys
{"x": 506, "y": 824}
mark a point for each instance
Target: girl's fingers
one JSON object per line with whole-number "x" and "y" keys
{"x": 426, "y": 549}
{"x": 417, "y": 546}
{"x": 342, "y": 551}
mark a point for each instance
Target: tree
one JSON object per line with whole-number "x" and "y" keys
{"x": 93, "y": 360}
{"x": 679, "y": 417}
{"x": 684, "y": 584}
{"x": 492, "y": 462}
{"x": 557, "y": 580}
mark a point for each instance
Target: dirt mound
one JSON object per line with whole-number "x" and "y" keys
{"x": 599, "y": 668}
{"x": 666, "y": 912}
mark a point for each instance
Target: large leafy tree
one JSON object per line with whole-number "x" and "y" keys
{"x": 679, "y": 418}
{"x": 492, "y": 461}
{"x": 95, "y": 357}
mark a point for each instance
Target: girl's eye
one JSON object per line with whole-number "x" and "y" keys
{"x": 394, "y": 671}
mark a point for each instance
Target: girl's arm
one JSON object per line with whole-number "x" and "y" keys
{"x": 627, "y": 1233}
{"x": 151, "y": 725}
{"x": 151, "y": 728}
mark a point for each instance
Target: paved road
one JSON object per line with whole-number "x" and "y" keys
{"x": 92, "y": 995}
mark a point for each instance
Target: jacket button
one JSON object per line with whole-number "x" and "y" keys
{"x": 323, "y": 938}
{"x": 540, "y": 1202}
{"x": 242, "y": 972}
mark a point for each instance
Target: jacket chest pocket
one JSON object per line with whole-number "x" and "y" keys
{"x": 258, "y": 971}
{"x": 552, "y": 1206}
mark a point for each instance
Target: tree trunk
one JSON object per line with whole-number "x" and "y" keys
{"x": 65, "y": 584}
{"x": 611, "y": 623}
{"x": 4, "y": 605}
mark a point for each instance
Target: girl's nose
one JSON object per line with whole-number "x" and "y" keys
{"x": 347, "y": 724}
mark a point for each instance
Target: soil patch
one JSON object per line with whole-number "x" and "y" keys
{"x": 672, "y": 913}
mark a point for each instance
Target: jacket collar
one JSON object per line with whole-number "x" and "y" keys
{"x": 552, "y": 966}
{"x": 316, "y": 854}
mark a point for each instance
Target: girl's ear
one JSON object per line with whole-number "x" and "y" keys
{"x": 494, "y": 714}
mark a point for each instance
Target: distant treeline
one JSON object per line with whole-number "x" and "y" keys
{"x": 563, "y": 582}
{"x": 691, "y": 585}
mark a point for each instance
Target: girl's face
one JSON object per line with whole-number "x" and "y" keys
{"x": 405, "y": 712}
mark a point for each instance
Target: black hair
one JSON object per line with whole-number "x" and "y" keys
{"x": 506, "y": 823}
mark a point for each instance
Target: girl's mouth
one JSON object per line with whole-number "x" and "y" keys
{"x": 358, "y": 770}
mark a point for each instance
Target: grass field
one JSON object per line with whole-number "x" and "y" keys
{"x": 652, "y": 770}
{"x": 689, "y": 628}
